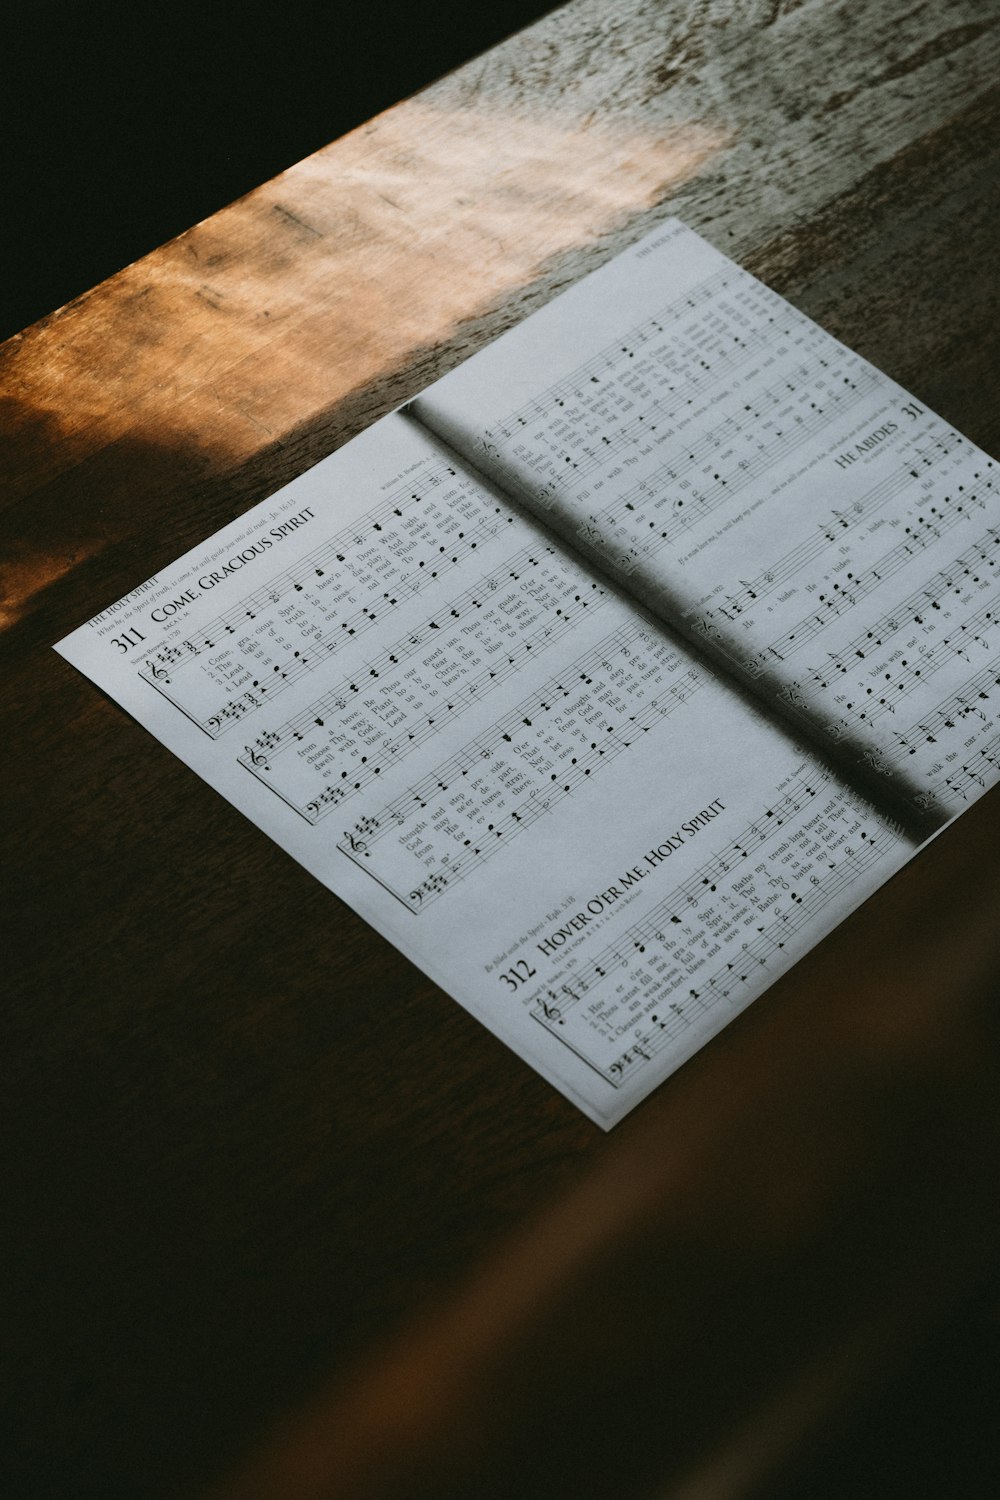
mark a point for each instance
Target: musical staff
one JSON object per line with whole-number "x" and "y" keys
{"x": 304, "y": 615}
{"x": 654, "y": 329}
{"x": 687, "y": 897}
{"x": 526, "y": 775}
{"x": 499, "y": 784}
{"x": 555, "y": 443}
{"x": 967, "y": 702}
{"x": 910, "y": 610}
{"x": 575, "y": 456}
{"x": 837, "y": 527}
{"x": 372, "y": 720}
{"x": 969, "y": 780}
{"x": 914, "y": 671}
{"x": 738, "y": 979}
{"x": 667, "y": 503}
{"x": 657, "y": 974}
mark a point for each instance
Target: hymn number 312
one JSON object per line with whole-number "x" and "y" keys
{"x": 518, "y": 975}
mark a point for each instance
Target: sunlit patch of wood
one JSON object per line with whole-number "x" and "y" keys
{"x": 24, "y": 578}
{"x": 342, "y": 270}
{"x": 299, "y": 314}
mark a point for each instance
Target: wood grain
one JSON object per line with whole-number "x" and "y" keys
{"x": 253, "y": 1160}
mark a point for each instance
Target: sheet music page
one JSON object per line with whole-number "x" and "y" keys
{"x": 767, "y": 490}
{"x": 504, "y": 765}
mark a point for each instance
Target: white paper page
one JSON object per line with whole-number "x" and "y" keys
{"x": 501, "y": 764}
{"x": 764, "y": 487}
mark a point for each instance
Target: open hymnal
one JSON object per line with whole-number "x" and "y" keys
{"x": 610, "y": 674}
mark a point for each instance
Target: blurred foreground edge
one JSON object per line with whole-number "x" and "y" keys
{"x": 783, "y": 1225}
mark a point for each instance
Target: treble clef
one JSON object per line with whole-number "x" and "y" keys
{"x": 255, "y": 759}
{"x": 158, "y": 673}
{"x": 358, "y": 845}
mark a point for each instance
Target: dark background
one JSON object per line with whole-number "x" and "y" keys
{"x": 123, "y": 124}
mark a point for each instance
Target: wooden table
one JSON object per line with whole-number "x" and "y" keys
{"x": 274, "y": 1207}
